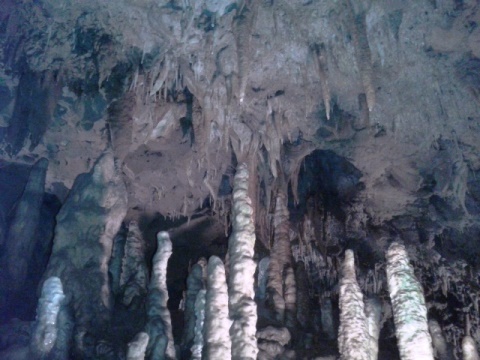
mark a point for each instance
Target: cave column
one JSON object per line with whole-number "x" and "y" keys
{"x": 409, "y": 309}
{"x": 353, "y": 337}
{"x": 243, "y": 310}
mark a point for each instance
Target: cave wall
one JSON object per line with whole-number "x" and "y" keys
{"x": 363, "y": 114}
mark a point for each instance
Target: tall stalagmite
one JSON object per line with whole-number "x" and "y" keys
{"x": 243, "y": 310}
{"x": 46, "y": 325}
{"x": 353, "y": 338}
{"x": 159, "y": 325}
{"x": 409, "y": 310}
{"x": 280, "y": 256}
{"x": 23, "y": 229}
{"x": 217, "y": 324}
{"x": 86, "y": 226}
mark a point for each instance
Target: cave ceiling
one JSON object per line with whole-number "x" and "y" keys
{"x": 181, "y": 90}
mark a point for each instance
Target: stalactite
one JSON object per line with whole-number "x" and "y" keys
{"x": 408, "y": 303}
{"x": 217, "y": 324}
{"x": 86, "y": 225}
{"x": 22, "y": 232}
{"x": 159, "y": 324}
{"x": 358, "y": 30}
{"x": 440, "y": 346}
{"x": 243, "y": 31}
{"x": 194, "y": 285}
{"x": 321, "y": 65}
{"x": 243, "y": 310}
{"x": 469, "y": 349}
{"x": 373, "y": 311}
{"x": 290, "y": 296}
{"x": 137, "y": 347}
{"x": 134, "y": 276}
{"x": 353, "y": 338}
{"x": 199, "y": 323}
{"x": 280, "y": 256}
{"x": 46, "y": 326}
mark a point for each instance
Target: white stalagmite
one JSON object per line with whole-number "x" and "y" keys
{"x": 408, "y": 303}
{"x": 159, "y": 325}
{"x": 469, "y": 349}
{"x": 280, "y": 256}
{"x": 199, "y": 322}
{"x": 134, "y": 275}
{"x": 373, "y": 310}
{"x": 137, "y": 347}
{"x": 353, "y": 338}
{"x": 243, "y": 310}
{"x": 46, "y": 327}
{"x": 217, "y": 324}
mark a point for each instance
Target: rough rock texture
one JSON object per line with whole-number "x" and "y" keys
{"x": 25, "y": 224}
{"x": 353, "y": 334}
{"x": 86, "y": 226}
{"x": 44, "y": 336}
{"x": 408, "y": 303}
{"x": 365, "y": 112}
{"x": 137, "y": 347}
{"x": 243, "y": 310}
{"x": 218, "y": 344}
{"x": 134, "y": 274}
{"x": 159, "y": 325}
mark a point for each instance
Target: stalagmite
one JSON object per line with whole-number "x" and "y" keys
{"x": 408, "y": 303}
{"x": 441, "y": 348}
{"x": 217, "y": 324}
{"x": 159, "y": 325}
{"x": 243, "y": 310}
{"x": 290, "y": 296}
{"x": 46, "y": 326}
{"x": 353, "y": 338}
{"x": 199, "y": 322}
{"x": 280, "y": 256}
{"x": 86, "y": 225}
{"x": 22, "y": 232}
{"x": 134, "y": 275}
{"x": 136, "y": 348}
{"x": 194, "y": 285}
{"x": 469, "y": 349}
{"x": 373, "y": 310}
